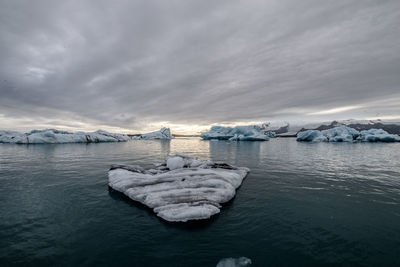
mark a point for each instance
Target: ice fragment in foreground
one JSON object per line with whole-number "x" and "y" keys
{"x": 180, "y": 189}
{"x": 234, "y": 262}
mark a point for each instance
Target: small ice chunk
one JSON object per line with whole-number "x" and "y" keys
{"x": 234, "y": 262}
{"x": 175, "y": 163}
{"x": 195, "y": 163}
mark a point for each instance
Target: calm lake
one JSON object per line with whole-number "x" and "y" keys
{"x": 302, "y": 204}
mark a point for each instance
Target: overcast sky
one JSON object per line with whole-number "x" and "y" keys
{"x": 137, "y": 65}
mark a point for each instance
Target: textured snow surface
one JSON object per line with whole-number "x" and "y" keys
{"x": 51, "y": 136}
{"x": 378, "y": 135}
{"x": 163, "y": 133}
{"x": 238, "y": 133}
{"x": 280, "y": 127}
{"x": 175, "y": 163}
{"x": 341, "y": 134}
{"x": 181, "y": 188}
{"x": 347, "y": 134}
{"x": 234, "y": 262}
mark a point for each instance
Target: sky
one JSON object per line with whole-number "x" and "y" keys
{"x": 134, "y": 66}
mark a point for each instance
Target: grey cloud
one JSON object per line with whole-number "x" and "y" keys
{"x": 124, "y": 63}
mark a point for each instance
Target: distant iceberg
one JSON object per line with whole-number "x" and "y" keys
{"x": 311, "y": 136}
{"x": 52, "y": 136}
{"x": 347, "y": 134}
{"x": 238, "y": 133}
{"x": 181, "y": 188}
{"x": 163, "y": 133}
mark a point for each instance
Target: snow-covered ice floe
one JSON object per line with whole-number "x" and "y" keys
{"x": 51, "y": 136}
{"x": 337, "y": 134}
{"x": 238, "y": 133}
{"x": 234, "y": 262}
{"x": 181, "y": 188}
{"x": 347, "y": 134}
{"x": 378, "y": 135}
{"x": 163, "y": 133}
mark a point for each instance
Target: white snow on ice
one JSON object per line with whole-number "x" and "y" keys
{"x": 347, "y": 134}
{"x": 238, "y": 133}
{"x": 181, "y": 188}
{"x": 163, "y": 133}
{"x": 378, "y": 135}
{"x": 51, "y": 136}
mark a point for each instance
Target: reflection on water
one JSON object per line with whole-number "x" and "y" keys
{"x": 232, "y": 151}
{"x": 301, "y": 204}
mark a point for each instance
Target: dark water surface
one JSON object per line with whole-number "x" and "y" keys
{"x": 302, "y": 204}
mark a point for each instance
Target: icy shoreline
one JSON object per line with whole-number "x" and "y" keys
{"x": 181, "y": 188}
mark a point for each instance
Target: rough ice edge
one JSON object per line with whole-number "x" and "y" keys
{"x": 378, "y": 135}
{"x": 238, "y": 133}
{"x": 163, "y": 133}
{"x": 347, "y": 134}
{"x": 52, "y": 136}
{"x": 193, "y": 191}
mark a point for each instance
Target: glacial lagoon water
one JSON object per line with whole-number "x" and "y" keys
{"x": 302, "y": 204}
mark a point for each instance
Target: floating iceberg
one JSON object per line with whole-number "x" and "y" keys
{"x": 51, "y": 136}
{"x": 311, "y": 136}
{"x": 181, "y": 188}
{"x": 337, "y": 134}
{"x": 218, "y": 133}
{"x": 378, "y": 135}
{"x": 234, "y": 262}
{"x": 341, "y": 134}
{"x": 346, "y": 134}
{"x": 12, "y": 137}
{"x": 238, "y": 133}
{"x": 163, "y": 133}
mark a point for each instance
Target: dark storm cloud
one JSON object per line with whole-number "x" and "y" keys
{"x": 125, "y": 63}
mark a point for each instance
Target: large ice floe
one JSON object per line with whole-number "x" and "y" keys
{"x": 347, "y": 134}
{"x": 238, "y": 133}
{"x": 163, "y": 133}
{"x": 181, "y": 188}
{"x": 52, "y": 136}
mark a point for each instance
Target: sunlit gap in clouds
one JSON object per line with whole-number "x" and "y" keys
{"x": 335, "y": 110}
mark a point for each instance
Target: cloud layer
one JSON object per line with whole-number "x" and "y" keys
{"x": 139, "y": 64}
